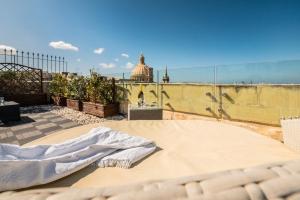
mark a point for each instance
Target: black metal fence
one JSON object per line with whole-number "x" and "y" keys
{"x": 47, "y": 63}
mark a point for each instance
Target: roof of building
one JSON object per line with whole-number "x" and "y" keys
{"x": 141, "y": 68}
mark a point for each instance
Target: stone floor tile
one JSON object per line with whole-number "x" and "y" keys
{"x": 24, "y": 141}
{"x": 64, "y": 121}
{"x": 34, "y": 116}
{"x": 68, "y": 125}
{"x": 40, "y": 120}
{"x": 9, "y": 134}
{"x": 6, "y": 134}
{"x": 8, "y": 140}
{"x": 20, "y": 131}
{"x": 33, "y": 125}
{"x": 3, "y": 136}
{"x": 15, "y": 142}
{"x": 50, "y": 130}
{"x": 44, "y": 126}
{"x": 48, "y": 115}
{"x": 40, "y": 123}
{"x": 31, "y": 134}
{"x": 20, "y": 127}
{"x": 20, "y": 136}
{"x": 58, "y": 119}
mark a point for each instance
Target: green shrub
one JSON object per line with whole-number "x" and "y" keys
{"x": 8, "y": 75}
{"x": 99, "y": 89}
{"x": 76, "y": 88}
{"x": 58, "y": 85}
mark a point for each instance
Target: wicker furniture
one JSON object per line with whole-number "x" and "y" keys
{"x": 144, "y": 113}
{"x": 271, "y": 181}
{"x": 9, "y": 111}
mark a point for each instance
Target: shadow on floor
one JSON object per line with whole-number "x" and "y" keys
{"x": 138, "y": 162}
{"x": 36, "y": 109}
{"x": 24, "y": 120}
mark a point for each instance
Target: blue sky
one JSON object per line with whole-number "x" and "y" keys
{"x": 176, "y": 33}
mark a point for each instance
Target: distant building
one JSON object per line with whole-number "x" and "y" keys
{"x": 142, "y": 72}
{"x": 166, "y": 78}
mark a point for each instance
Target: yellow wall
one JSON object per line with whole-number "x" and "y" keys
{"x": 255, "y": 103}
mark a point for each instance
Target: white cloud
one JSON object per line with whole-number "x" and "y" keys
{"x": 99, "y": 51}
{"x": 107, "y": 65}
{"x": 8, "y": 48}
{"x": 63, "y": 45}
{"x": 78, "y": 59}
{"x": 125, "y": 55}
{"x": 129, "y": 65}
{"x": 117, "y": 59}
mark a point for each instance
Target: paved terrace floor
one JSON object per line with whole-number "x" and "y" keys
{"x": 39, "y": 121}
{"x": 33, "y": 125}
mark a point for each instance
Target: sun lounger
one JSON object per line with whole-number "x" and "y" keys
{"x": 271, "y": 181}
{"x": 184, "y": 148}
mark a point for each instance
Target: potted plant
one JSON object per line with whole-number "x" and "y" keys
{"x": 58, "y": 89}
{"x": 101, "y": 95}
{"x": 76, "y": 90}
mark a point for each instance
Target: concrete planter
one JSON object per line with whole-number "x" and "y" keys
{"x": 144, "y": 113}
{"x": 74, "y": 104}
{"x": 123, "y": 107}
{"x": 100, "y": 110}
{"x": 59, "y": 101}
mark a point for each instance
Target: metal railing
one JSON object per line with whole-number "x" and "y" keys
{"x": 45, "y": 62}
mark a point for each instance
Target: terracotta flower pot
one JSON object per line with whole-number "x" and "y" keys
{"x": 100, "y": 110}
{"x": 59, "y": 101}
{"x": 74, "y": 104}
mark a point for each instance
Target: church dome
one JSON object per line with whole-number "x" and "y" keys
{"x": 142, "y": 72}
{"x": 141, "y": 69}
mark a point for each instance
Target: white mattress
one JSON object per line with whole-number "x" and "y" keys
{"x": 186, "y": 148}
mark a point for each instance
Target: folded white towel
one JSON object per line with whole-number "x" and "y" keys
{"x": 22, "y": 167}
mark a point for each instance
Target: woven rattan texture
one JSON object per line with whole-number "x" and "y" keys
{"x": 272, "y": 181}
